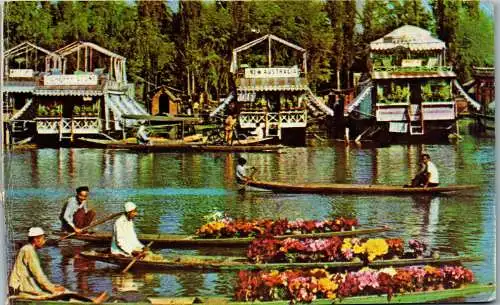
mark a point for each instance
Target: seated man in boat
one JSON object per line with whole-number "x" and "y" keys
{"x": 258, "y": 133}
{"x": 241, "y": 171}
{"x": 125, "y": 241}
{"x": 428, "y": 176}
{"x": 142, "y": 136}
{"x": 27, "y": 278}
{"x": 75, "y": 214}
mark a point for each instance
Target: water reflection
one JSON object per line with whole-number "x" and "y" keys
{"x": 174, "y": 191}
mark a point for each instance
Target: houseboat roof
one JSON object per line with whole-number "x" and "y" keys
{"x": 483, "y": 71}
{"x": 376, "y": 75}
{"x": 409, "y": 37}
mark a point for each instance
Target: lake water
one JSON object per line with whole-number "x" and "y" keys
{"x": 174, "y": 191}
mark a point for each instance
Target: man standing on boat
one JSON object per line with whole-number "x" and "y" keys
{"x": 125, "y": 241}
{"x": 228, "y": 128}
{"x": 428, "y": 176}
{"x": 241, "y": 172}
{"x": 76, "y": 214}
{"x": 27, "y": 278}
{"x": 142, "y": 136}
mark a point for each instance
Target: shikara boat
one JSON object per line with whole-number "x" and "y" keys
{"x": 409, "y": 297}
{"x": 228, "y": 263}
{"x": 371, "y": 189}
{"x": 177, "y": 240}
{"x": 181, "y": 147}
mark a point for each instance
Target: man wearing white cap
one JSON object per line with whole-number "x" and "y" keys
{"x": 125, "y": 241}
{"x": 27, "y": 277}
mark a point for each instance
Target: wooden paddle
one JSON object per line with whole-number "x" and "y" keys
{"x": 93, "y": 225}
{"x": 135, "y": 258}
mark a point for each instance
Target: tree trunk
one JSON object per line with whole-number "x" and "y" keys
{"x": 338, "y": 79}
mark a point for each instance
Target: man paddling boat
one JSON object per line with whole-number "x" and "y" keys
{"x": 242, "y": 176}
{"x": 124, "y": 241}
{"x": 27, "y": 278}
{"x": 76, "y": 214}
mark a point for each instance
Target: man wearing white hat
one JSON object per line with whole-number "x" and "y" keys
{"x": 125, "y": 241}
{"x": 27, "y": 277}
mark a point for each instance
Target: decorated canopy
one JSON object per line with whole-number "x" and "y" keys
{"x": 409, "y": 37}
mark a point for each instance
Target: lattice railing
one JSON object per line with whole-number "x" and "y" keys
{"x": 77, "y": 125}
{"x": 284, "y": 119}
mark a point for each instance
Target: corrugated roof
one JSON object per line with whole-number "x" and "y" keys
{"x": 410, "y": 37}
{"x": 273, "y": 88}
{"x": 393, "y": 75}
{"x": 67, "y": 92}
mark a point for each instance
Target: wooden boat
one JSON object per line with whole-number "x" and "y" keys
{"x": 225, "y": 263}
{"x": 177, "y": 240}
{"x": 409, "y": 297}
{"x": 179, "y": 147}
{"x": 372, "y": 189}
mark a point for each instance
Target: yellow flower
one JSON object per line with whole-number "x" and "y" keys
{"x": 347, "y": 244}
{"x": 326, "y": 285}
{"x": 376, "y": 247}
{"x": 359, "y": 249}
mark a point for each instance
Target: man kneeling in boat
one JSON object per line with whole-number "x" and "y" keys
{"x": 428, "y": 175}
{"x": 125, "y": 241}
{"x": 76, "y": 214}
{"x": 27, "y": 279}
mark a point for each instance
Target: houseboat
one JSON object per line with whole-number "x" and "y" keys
{"x": 483, "y": 90}
{"x": 409, "y": 94}
{"x": 276, "y": 97}
{"x": 78, "y": 90}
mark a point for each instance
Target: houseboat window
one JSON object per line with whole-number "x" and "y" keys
{"x": 390, "y": 93}
{"x": 436, "y": 91}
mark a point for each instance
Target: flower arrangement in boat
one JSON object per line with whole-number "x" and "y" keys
{"x": 220, "y": 226}
{"x": 308, "y": 285}
{"x": 326, "y": 250}
{"x": 417, "y": 247}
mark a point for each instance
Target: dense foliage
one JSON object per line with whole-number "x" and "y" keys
{"x": 188, "y": 45}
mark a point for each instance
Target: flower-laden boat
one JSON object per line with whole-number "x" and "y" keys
{"x": 308, "y": 285}
{"x": 225, "y": 232}
{"x": 272, "y": 254}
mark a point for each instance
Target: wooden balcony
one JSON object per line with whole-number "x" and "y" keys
{"x": 76, "y": 125}
{"x": 283, "y": 119}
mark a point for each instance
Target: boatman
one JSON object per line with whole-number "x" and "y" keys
{"x": 142, "y": 136}
{"x": 27, "y": 278}
{"x": 125, "y": 241}
{"x": 241, "y": 172}
{"x": 76, "y": 214}
{"x": 428, "y": 176}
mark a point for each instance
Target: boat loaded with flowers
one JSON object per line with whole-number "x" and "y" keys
{"x": 269, "y": 253}
{"x": 223, "y": 231}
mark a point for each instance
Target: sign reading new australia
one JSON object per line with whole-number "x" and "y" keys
{"x": 272, "y": 72}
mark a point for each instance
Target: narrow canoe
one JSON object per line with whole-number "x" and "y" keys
{"x": 177, "y": 240}
{"x": 181, "y": 147}
{"x": 228, "y": 263}
{"x": 413, "y": 297}
{"x": 372, "y": 189}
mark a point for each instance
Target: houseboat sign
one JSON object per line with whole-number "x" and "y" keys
{"x": 272, "y": 72}
{"x": 65, "y": 80}
{"x": 21, "y": 73}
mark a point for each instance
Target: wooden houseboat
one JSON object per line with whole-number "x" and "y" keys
{"x": 277, "y": 98}
{"x": 409, "y": 94}
{"x": 483, "y": 87}
{"x": 78, "y": 90}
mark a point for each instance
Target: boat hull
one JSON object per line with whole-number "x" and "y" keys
{"x": 180, "y": 147}
{"x": 175, "y": 240}
{"x": 408, "y": 297}
{"x": 215, "y": 263}
{"x": 327, "y": 188}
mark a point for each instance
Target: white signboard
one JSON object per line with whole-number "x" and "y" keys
{"x": 21, "y": 73}
{"x": 272, "y": 72}
{"x": 441, "y": 112}
{"x": 391, "y": 114}
{"x": 70, "y": 79}
{"x": 411, "y": 63}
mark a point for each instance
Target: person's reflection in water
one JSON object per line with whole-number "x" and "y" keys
{"x": 81, "y": 267}
{"x": 126, "y": 288}
{"x": 429, "y": 207}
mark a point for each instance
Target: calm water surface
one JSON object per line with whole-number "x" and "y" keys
{"x": 174, "y": 191}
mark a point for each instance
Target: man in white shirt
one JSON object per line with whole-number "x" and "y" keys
{"x": 241, "y": 171}
{"x": 125, "y": 241}
{"x": 428, "y": 176}
{"x": 259, "y": 131}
